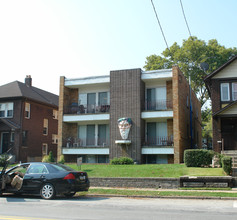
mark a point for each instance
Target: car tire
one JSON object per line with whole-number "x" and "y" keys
{"x": 47, "y": 191}
{"x": 69, "y": 195}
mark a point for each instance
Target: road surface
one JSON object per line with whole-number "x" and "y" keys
{"x": 99, "y": 208}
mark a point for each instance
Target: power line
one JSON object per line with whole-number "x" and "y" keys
{"x": 185, "y": 18}
{"x": 159, "y": 24}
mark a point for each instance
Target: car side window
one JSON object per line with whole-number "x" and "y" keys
{"x": 37, "y": 168}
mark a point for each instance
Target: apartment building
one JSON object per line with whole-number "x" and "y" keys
{"x": 156, "y": 104}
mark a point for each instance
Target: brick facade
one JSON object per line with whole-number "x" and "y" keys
{"x": 126, "y": 100}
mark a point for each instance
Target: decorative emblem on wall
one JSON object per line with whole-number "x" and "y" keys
{"x": 124, "y": 125}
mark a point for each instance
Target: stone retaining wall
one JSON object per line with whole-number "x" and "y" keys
{"x": 165, "y": 183}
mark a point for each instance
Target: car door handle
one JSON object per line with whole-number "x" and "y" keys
{"x": 42, "y": 176}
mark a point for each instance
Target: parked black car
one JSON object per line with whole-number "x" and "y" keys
{"x": 46, "y": 179}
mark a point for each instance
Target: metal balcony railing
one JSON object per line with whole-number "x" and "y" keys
{"x": 86, "y": 109}
{"x": 71, "y": 142}
{"x": 161, "y": 104}
{"x": 159, "y": 141}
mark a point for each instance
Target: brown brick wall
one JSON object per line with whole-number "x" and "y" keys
{"x": 34, "y": 128}
{"x": 181, "y": 117}
{"x": 169, "y": 94}
{"x": 127, "y": 99}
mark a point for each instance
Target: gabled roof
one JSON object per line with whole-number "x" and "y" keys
{"x": 18, "y": 89}
{"x": 220, "y": 68}
{"x": 225, "y": 108}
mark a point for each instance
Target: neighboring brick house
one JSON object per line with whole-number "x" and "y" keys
{"x": 28, "y": 121}
{"x": 222, "y": 88}
{"x": 156, "y": 102}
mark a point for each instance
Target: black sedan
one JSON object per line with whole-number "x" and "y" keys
{"x": 46, "y": 179}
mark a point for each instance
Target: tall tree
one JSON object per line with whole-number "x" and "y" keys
{"x": 188, "y": 57}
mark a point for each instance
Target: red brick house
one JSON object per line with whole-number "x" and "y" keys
{"x": 28, "y": 121}
{"x": 222, "y": 88}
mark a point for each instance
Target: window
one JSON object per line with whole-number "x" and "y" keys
{"x": 225, "y": 92}
{"x": 12, "y": 136}
{"x": 6, "y": 110}
{"x": 24, "y": 138}
{"x": 234, "y": 91}
{"x": 55, "y": 114}
{"x": 45, "y": 128}
{"x": 55, "y": 138}
{"x": 27, "y": 110}
{"x": 44, "y": 149}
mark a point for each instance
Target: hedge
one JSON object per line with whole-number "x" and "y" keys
{"x": 198, "y": 157}
{"x": 227, "y": 164}
{"x": 121, "y": 161}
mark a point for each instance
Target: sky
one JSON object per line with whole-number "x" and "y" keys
{"x": 79, "y": 38}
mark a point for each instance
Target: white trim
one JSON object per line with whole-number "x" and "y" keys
{"x": 157, "y": 74}
{"x": 157, "y": 150}
{"x": 157, "y": 114}
{"x": 92, "y": 151}
{"x": 87, "y": 81}
{"x": 83, "y": 118}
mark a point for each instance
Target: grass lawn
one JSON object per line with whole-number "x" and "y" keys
{"x": 154, "y": 170}
{"x": 159, "y": 193}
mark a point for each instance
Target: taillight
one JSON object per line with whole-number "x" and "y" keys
{"x": 70, "y": 176}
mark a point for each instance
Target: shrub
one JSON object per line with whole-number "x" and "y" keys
{"x": 61, "y": 159}
{"x": 198, "y": 157}
{"x": 48, "y": 158}
{"x": 3, "y": 159}
{"x": 227, "y": 164}
{"x": 121, "y": 161}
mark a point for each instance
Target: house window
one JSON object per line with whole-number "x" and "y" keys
{"x": 54, "y": 138}
{"x": 27, "y": 110}
{"x": 44, "y": 149}
{"x": 225, "y": 92}
{"x": 6, "y": 110}
{"x": 55, "y": 114}
{"x": 234, "y": 91}
{"x": 12, "y": 136}
{"x": 45, "y": 128}
{"x": 24, "y": 138}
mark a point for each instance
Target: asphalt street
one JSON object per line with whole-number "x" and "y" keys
{"x": 90, "y": 208}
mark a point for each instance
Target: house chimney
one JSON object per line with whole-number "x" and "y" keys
{"x": 28, "y": 81}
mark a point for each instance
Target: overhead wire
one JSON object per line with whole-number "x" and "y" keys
{"x": 160, "y": 25}
{"x": 185, "y": 18}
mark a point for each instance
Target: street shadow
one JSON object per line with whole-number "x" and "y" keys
{"x": 11, "y": 198}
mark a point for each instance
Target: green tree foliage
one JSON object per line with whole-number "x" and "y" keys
{"x": 207, "y": 125}
{"x": 188, "y": 57}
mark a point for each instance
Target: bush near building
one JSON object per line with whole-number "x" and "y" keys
{"x": 121, "y": 161}
{"x": 198, "y": 157}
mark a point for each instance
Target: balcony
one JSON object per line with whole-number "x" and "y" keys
{"x": 85, "y": 142}
{"x": 162, "y": 141}
{"x": 158, "y": 105}
{"x": 86, "y": 109}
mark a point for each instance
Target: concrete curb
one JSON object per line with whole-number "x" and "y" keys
{"x": 165, "y": 197}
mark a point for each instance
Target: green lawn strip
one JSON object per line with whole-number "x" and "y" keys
{"x": 206, "y": 188}
{"x": 160, "y": 193}
{"x": 151, "y": 170}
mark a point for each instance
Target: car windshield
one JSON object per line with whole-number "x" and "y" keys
{"x": 61, "y": 167}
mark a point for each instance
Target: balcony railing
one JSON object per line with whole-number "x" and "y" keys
{"x": 86, "y": 109}
{"x": 159, "y": 141}
{"x": 85, "y": 142}
{"x": 161, "y": 104}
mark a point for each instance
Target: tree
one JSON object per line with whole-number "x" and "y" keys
{"x": 188, "y": 57}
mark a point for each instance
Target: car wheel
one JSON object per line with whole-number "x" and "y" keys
{"x": 69, "y": 195}
{"x": 47, "y": 191}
